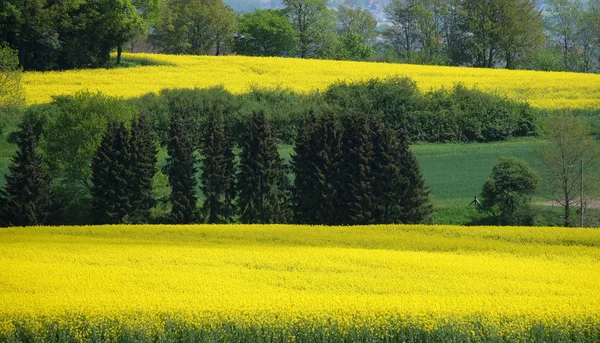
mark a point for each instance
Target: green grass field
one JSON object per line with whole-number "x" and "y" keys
{"x": 456, "y": 172}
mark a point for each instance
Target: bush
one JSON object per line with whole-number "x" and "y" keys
{"x": 468, "y": 115}
{"x": 507, "y": 193}
{"x": 459, "y": 115}
{"x": 397, "y": 99}
{"x": 75, "y": 127}
{"x": 283, "y": 109}
{"x": 192, "y": 105}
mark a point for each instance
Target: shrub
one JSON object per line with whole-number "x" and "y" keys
{"x": 468, "y": 115}
{"x": 76, "y": 124}
{"x": 192, "y": 105}
{"x": 508, "y": 191}
{"x": 397, "y": 99}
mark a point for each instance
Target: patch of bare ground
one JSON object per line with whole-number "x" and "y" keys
{"x": 587, "y": 203}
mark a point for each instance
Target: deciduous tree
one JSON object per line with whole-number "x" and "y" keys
{"x": 74, "y": 131}
{"x": 198, "y": 27}
{"x": 562, "y": 21}
{"x": 265, "y": 33}
{"x": 314, "y": 24}
{"x": 507, "y": 192}
{"x": 570, "y": 144}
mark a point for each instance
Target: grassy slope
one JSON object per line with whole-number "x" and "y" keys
{"x": 457, "y": 172}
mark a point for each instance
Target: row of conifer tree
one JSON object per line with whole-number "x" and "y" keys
{"x": 346, "y": 170}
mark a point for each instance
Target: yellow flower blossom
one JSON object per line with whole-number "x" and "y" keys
{"x": 239, "y": 74}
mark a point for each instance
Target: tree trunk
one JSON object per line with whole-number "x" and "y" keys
{"x": 567, "y": 213}
{"x": 509, "y": 61}
{"x": 22, "y": 56}
{"x": 119, "y": 51}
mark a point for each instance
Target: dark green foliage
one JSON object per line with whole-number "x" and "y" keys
{"x": 356, "y": 181}
{"x": 467, "y": 115}
{"x": 283, "y": 109}
{"x": 305, "y": 172}
{"x": 265, "y": 33}
{"x": 142, "y": 167}
{"x": 389, "y": 184}
{"x": 398, "y": 99}
{"x": 316, "y": 164}
{"x": 363, "y": 175}
{"x": 457, "y": 115}
{"x": 63, "y": 35}
{"x": 76, "y": 124}
{"x": 155, "y": 108}
{"x": 27, "y": 198}
{"x": 182, "y": 173}
{"x": 191, "y": 105}
{"x": 217, "y": 171}
{"x": 111, "y": 174}
{"x": 416, "y": 206}
{"x": 262, "y": 182}
{"x": 508, "y": 191}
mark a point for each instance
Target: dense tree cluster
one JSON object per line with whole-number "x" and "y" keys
{"x": 123, "y": 168}
{"x": 63, "y": 35}
{"x": 355, "y": 170}
{"x": 347, "y": 170}
{"x": 534, "y": 34}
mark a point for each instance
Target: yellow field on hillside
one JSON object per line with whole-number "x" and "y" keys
{"x": 548, "y": 90}
{"x": 276, "y": 275}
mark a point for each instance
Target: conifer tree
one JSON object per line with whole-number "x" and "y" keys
{"x": 217, "y": 171}
{"x": 303, "y": 201}
{"x": 316, "y": 166}
{"x": 229, "y": 210}
{"x": 143, "y": 167}
{"x": 389, "y": 184}
{"x": 182, "y": 173}
{"x": 111, "y": 173}
{"x": 416, "y": 206}
{"x": 357, "y": 192}
{"x": 262, "y": 182}
{"x": 27, "y": 198}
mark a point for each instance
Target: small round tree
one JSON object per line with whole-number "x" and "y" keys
{"x": 507, "y": 192}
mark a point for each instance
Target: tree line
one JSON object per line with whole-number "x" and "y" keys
{"x": 348, "y": 170}
{"x": 549, "y": 35}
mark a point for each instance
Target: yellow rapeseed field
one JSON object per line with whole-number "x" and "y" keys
{"x": 547, "y": 90}
{"x": 296, "y": 281}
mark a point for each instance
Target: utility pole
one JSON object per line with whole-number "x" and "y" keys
{"x": 581, "y": 197}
